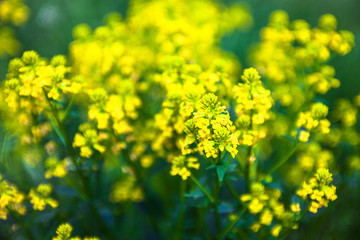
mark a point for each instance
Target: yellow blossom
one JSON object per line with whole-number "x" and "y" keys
{"x": 39, "y": 197}
{"x": 181, "y": 166}
{"x": 319, "y": 190}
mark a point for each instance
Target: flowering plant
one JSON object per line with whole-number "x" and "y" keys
{"x": 149, "y": 123}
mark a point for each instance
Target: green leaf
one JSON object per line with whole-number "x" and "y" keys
{"x": 221, "y": 170}
{"x": 57, "y": 130}
{"x": 194, "y": 194}
{"x": 211, "y": 167}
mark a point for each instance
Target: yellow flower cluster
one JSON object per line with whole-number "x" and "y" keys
{"x": 138, "y": 151}
{"x": 310, "y": 157}
{"x": 318, "y": 190}
{"x": 181, "y": 166}
{"x": 31, "y": 82}
{"x": 15, "y": 12}
{"x": 185, "y": 85}
{"x": 147, "y": 88}
{"x": 112, "y": 115}
{"x": 253, "y": 103}
{"x": 63, "y": 232}
{"x": 345, "y": 115}
{"x": 293, "y": 56}
{"x": 120, "y": 53}
{"x": 8, "y": 42}
{"x": 35, "y": 91}
{"x": 88, "y": 139}
{"x": 189, "y": 37}
{"x": 345, "y": 118}
{"x": 210, "y": 128}
{"x": 345, "y": 112}
{"x": 40, "y": 197}
{"x": 353, "y": 163}
{"x": 313, "y": 120}
{"x": 124, "y": 56}
{"x": 11, "y": 200}
{"x": 113, "y": 108}
{"x": 127, "y": 190}
{"x": 56, "y": 168}
{"x": 272, "y": 213}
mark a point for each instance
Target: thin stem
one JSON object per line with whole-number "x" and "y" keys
{"x": 282, "y": 161}
{"x": 249, "y": 151}
{"x": 286, "y": 232}
{"x": 215, "y": 207}
{"x": 216, "y": 197}
{"x": 141, "y": 182}
{"x": 202, "y": 188}
{"x": 232, "y": 190}
{"x": 247, "y": 169}
{"x": 178, "y": 234}
{"x": 68, "y": 108}
{"x": 231, "y": 225}
{"x": 23, "y": 225}
{"x": 66, "y": 140}
{"x": 218, "y": 159}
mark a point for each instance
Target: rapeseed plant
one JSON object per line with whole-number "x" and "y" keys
{"x": 144, "y": 99}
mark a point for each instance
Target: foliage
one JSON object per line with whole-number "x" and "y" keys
{"x": 147, "y": 122}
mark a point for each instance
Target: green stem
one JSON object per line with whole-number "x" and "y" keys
{"x": 218, "y": 159}
{"x": 282, "y": 161}
{"x": 215, "y": 206}
{"x": 286, "y": 232}
{"x": 178, "y": 234}
{"x": 68, "y": 108}
{"x": 99, "y": 176}
{"x": 247, "y": 169}
{"x": 202, "y": 188}
{"x": 23, "y": 225}
{"x": 216, "y": 197}
{"x": 231, "y": 225}
{"x": 232, "y": 190}
{"x": 141, "y": 182}
{"x": 64, "y": 136}
{"x": 249, "y": 151}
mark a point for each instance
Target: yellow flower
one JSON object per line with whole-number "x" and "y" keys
{"x": 180, "y": 165}
{"x": 127, "y": 189}
{"x": 295, "y": 207}
{"x": 39, "y": 197}
{"x": 319, "y": 190}
{"x": 255, "y": 206}
{"x": 255, "y": 227}
{"x": 10, "y": 199}
{"x": 275, "y": 231}
{"x": 313, "y": 120}
{"x": 63, "y": 232}
{"x": 304, "y": 136}
{"x": 266, "y": 217}
{"x": 88, "y": 139}
{"x": 55, "y": 168}
{"x": 211, "y": 128}
{"x": 253, "y": 103}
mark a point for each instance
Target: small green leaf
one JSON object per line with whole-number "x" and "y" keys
{"x": 57, "y": 130}
{"x": 211, "y": 167}
{"x": 194, "y": 194}
{"x": 221, "y": 170}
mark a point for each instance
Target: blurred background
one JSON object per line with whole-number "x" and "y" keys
{"x": 49, "y": 32}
